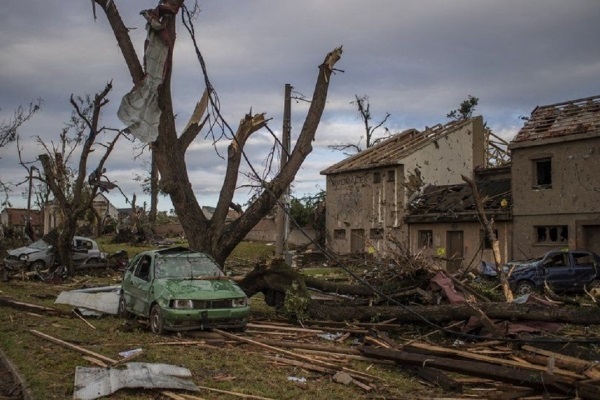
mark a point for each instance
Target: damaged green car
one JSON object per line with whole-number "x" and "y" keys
{"x": 181, "y": 289}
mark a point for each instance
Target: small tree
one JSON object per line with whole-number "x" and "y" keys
{"x": 466, "y": 109}
{"x": 364, "y": 111}
{"x": 9, "y": 133}
{"x": 73, "y": 194}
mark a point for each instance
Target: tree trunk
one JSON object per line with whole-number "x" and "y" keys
{"x": 457, "y": 312}
{"x": 153, "y": 191}
{"x": 216, "y": 237}
{"x": 489, "y": 231}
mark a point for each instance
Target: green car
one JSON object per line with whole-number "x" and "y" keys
{"x": 181, "y": 289}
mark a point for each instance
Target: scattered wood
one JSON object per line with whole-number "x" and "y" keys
{"x": 456, "y": 312}
{"x": 439, "y": 378}
{"x": 7, "y": 301}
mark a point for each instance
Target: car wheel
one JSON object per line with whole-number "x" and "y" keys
{"x": 93, "y": 260}
{"x": 524, "y": 287}
{"x": 122, "y": 312}
{"x": 595, "y": 284}
{"x": 156, "y": 320}
{"x": 37, "y": 266}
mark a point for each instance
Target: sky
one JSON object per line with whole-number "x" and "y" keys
{"x": 415, "y": 59}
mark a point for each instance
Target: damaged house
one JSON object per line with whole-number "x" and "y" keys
{"x": 368, "y": 193}
{"x": 555, "y": 179}
{"x": 443, "y": 221}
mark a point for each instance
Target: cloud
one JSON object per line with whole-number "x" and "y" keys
{"x": 416, "y": 60}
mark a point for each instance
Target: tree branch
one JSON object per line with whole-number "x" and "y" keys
{"x": 121, "y": 33}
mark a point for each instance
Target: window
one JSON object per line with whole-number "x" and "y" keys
{"x": 543, "y": 173}
{"x": 556, "y": 260}
{"x": 376, "y": 233}
{"x": 376, "y": 177}
{"x": 142, "y": 270}
{"x": 391, "y": 176}
{"x": 486, "y": 244}
{"x": 552, "y": 234}
{"x": 339, "y": 234}
{"x": 425, "y": 239}
{"x": 583, "y": 258}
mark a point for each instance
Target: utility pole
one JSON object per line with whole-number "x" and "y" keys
{"x": 28, "y": 227}
{"x": 282, "y": 218}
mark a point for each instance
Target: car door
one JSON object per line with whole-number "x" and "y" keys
{"x": 584, "y": 268}
{"x": 81, "y": 248}
{"x": 139, "y": 285}
{"x": 557, "y": 272}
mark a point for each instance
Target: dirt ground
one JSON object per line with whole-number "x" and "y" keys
{"x": 9, "y": 386}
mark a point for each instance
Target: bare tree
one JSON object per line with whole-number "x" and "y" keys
{"x": 153, "y": 77}
{"x": 364, "y": 111}
{"x": 72, "y": 192}
{"x": 9, "y": 133}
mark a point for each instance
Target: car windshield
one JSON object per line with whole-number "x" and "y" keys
{"x": 187, "y": 268}
{"x": 39, "y": 245}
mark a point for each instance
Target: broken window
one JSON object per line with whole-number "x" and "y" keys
{"x": 552, "y": 234}
{"x": 376, "y": 177}
{"x": 376, "y": 233}
{"x": 339, "y": 234}
{"x": 543, "y": 173}
{"x": 425, "y": 239}
{"x": 391, "y": 176}
{"x": 486, "y": 243}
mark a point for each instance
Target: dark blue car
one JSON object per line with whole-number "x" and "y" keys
{"x": 563, "y": 271}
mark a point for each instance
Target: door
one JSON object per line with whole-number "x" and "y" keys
{"x": 454, "y": 250}
{"x": 357, "y": 241}
{"x": 138, "y": 286}
{"x": 558, "y": 272}
{"x": 591, "y": 238}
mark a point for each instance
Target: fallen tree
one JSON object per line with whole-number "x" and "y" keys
{"x": 276, "y": 279}
{"x": 456, "y": 312}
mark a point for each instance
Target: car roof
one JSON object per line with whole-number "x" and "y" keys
{"x": 176, "y": 251}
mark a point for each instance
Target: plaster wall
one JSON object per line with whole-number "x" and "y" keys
{"x": 472, "y": 234}
{"x": 572, "y": 200}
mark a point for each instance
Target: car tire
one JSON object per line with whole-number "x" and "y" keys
{"x": 122, "y": 312}
{"x": 38, "y": 267}
{"x": 156, "y": 320}
{"x": 92, "y": 260}
{"x": 524, "y": 287}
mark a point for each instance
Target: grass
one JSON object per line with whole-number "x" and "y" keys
{"x": 49, "y": 368}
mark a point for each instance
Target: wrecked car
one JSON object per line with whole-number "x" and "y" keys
{"x": 41, "y": 254}
{"x": 563, "y": 271}
{"x": 181, "y": 289}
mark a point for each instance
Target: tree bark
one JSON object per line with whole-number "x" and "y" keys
{"x": 456, "y": 312}
{"x": 489, "y": 231}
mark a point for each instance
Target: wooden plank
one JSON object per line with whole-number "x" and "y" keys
{"x": 430, "y": 349}
{"x": 536, "y": 379}
{"x": 353, "y": 373}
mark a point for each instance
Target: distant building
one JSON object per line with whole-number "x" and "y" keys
{"x": 556, "y": 179}
{"x": 16, "y": 218}
{"x": 53, "y": 216}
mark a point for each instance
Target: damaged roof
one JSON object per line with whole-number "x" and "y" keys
{"x": 562, "y": 119}
{"x": 451, "y": 201}
{"x": 393, "y": 150}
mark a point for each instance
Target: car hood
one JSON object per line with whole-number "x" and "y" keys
{"x": 23, "y": 250}
{"x": 521, "y": 265}
{"x": 197, "y": 289}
